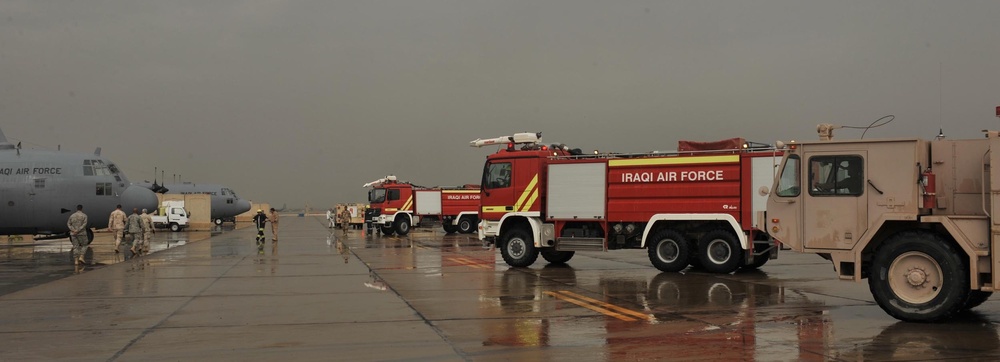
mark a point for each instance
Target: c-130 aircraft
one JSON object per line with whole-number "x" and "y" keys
{"x": 40, "y": 189}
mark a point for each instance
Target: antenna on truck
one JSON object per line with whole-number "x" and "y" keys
{"x": 517, "y": 138}
{"x": 381, "y": 180}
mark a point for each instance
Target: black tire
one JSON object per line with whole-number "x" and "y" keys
{"x": 758, "y": 261}
{"x": 90, "y": 236}
{"x": 402, "y": 225}
{"x": 466, "y": 225}
{"x": 518, "y": 248}
{"x": 919, "y": 277}
{"x": 448, "y": 227}
{"x": 554, "y": 256}
{"x": 975, "y": 298}
{"x": 719, "y": 251}
{"x": 668, "y": 251}
{"x": 218, "y": 222}
{"x": 386, "y": 230}
{"x": 174, "y": 227}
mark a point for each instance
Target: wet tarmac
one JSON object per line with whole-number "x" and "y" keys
{"x": 320, "y": 295}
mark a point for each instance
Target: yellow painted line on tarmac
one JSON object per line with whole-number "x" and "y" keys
{"x": 591, "y": 307}
{"x": 607, "y": 305}
{"x": 469, "y": 263}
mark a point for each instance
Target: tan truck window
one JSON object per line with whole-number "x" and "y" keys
{"x": 836, "y": 175}
{"x": 788, "y": 184}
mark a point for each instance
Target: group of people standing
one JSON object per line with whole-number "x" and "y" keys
{"x": 260, "y": 221}
{"x": 344, "y": 219}
{"x": 132, "y": 233}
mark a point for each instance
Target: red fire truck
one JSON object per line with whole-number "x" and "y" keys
{"x": 700, "y": 205}
{"x": 395, "y": 206}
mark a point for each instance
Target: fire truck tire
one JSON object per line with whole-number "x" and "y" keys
{"x": 402, "y": 225}
{"x": 518, "y": 248}
{"x": 668, "y": 251}
{"x": 448, "y": 227}
{"x": 557, "y": 257}
{"x": 386, "y": 230}
{"x": 466, "y": 226}
{"x": 719, "y": 252}
{"x": 975, "y": 298}
{"x": 919, "y": 277}
{"x": 758, "y": 261}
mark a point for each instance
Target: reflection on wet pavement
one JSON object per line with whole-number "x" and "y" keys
{"x": 609, "y": 306}
{"x": 25, "y": 262}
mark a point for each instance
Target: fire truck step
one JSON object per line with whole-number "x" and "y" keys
{"x": 580, "y": 244}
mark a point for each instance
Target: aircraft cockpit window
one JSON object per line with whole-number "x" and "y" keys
{"x": 104, "y": 188}
{"x": 113, "y": 168}
{"x": 98, "y": 168}
{"x": 88, "y": 170}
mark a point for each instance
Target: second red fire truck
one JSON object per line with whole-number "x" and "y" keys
{"x": 396, "y": 206}
{"x": 701, "y": 205}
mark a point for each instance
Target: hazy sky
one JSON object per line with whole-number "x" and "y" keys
{"x": 304, "y": 101}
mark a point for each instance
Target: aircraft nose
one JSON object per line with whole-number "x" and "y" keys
{"x": 243, "y": 206}
{"x": 138, "y": 197}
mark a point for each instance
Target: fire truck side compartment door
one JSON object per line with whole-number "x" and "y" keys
{"x": 428, "y": 202}
{"x": 577, "y": 190}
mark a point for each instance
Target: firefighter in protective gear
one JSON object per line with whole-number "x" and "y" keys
{"x": 260, "y": 220}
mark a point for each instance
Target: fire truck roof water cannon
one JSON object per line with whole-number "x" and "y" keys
{"x": 396, "y": 206}
{"x": 700, "y": 205}
{"x": 913, "y": 216}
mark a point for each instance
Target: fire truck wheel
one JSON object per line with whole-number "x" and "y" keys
{"x": 668, "y": 251}
{"x": 719, "y": 252}
{"x": 919, "y": 277}
{"x": 386, "y": 230}
{"x": 402, "y": 225}
{"x": 557, "y": 257}
{"x": 466, "y": 226}
{"x": 975, "y": 298}
{"x": 518, "y": 248}
{"x": 448, "y": 227}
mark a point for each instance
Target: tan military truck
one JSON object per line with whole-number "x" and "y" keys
{"x": 912, "y": 216}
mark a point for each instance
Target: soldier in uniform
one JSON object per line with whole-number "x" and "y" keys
{"x": 133, "y": 232}
{"x": 345, "y": 219}
{"x": 147, "y": 231}
{"x": 260, "y": 220}
{"x": 117, "y": 224}
{"x": 77, "y": 234}
{"x": 273, "y": 217}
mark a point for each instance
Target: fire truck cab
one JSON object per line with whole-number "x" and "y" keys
{"x": 696, "y": 206}
{"x": 916, "y": 221}
{"x": 396, "y": 206}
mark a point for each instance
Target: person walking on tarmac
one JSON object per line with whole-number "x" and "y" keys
{"x": 345, "y": 219}
{"x": 77, "y": 234}
{"x": 260, "y": 220}
{"x": 147, "y": 232}
{"x": 116, "y": 223}
{"x": 133, "y": 232}
{"x": 273, "y": 217}
{"x": 329, "y": 217}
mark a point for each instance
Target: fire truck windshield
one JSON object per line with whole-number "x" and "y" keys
{"x": 376, "y": 196}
